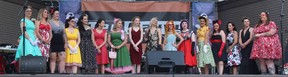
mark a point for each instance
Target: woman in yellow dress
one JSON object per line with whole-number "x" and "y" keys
{"x": 72, "y": 41}
{"x": 204, "y": 55}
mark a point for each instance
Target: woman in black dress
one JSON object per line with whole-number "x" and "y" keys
{"x": 218, "y": 44}
{"x": 57, "y": 43}
{"x": 88, "y": 54}
{"x": 248, "y": 66}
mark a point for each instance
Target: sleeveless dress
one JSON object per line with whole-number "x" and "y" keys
{"x": 57, "y": 41}
{"x": 87, "y": 50}
{"x": 202, "y": 57}
{"x": 216, "y": 41}
{"x": 152, "y": 41}
{"x": 266, "y": 47}
{"x": 44, "y": 33}
{"x": 234, "y": 56}
{"x": 122, "y": 63}
{"x": 248, "y": 66}
{"x": 136, "y": 56}
{"x": 171, "y": 39}
{"x": 102, "y": 58}
{"x": 29, "y": 48}
{"x": 187, "y": 49}
{"x": 72, "y": 59}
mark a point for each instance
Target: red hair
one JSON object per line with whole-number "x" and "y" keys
{"x": 167, "y": 27}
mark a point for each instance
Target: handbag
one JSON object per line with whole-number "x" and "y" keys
{"x": 112, "y": 54}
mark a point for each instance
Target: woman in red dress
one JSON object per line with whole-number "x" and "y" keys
{"x": 187, "y": 47}
{"x": 99, "y": 38}
{"x": 43, "y": 32}
{"x": 266, "y": 46}
{"x": 136, "y": 37}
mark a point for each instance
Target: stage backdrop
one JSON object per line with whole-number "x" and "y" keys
{"x": 69, "y": 7}
{"x": 127, "y": 10}
{"x": 202, "y": 9}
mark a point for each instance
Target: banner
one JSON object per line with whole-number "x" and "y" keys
{"x": 127, "y": 10}
{"x": 69, "y": 7}
{"x": 202, "y": 9}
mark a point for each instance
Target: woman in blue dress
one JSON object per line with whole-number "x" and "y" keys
{"x": 170, "y": 37}
{"x": 31, "y": 47}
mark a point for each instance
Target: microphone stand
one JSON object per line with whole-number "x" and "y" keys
{"x": 24, "y": 25}
{"x": 281, "y": 34}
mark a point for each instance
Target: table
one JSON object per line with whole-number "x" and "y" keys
{"x": 8, "y": 56}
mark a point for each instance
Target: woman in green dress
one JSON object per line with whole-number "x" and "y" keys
{"x": 31, "y": 47}
{"x": 117, "y": 39}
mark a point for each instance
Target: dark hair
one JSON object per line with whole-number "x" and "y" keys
{"x": 219, "y": 22}
{"x": 227, "y": 29}
{"x": 98, "y": 22}
{"x": 67, "y": 20}
{"x": 201, "y": 17}
{"x": 182, "y": 21}
{"x": 80, "y": 23}
{"x": 267, "y": 21}
{"x": 53, "y": 10}
{"x": 244, "y": 18}
{"x": 27, "y": 7}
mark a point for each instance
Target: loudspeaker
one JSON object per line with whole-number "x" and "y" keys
{"x": 155, "y": 58}
{"x": 32, "y": 64}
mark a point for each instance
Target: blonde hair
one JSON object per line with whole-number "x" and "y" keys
{"x": 154, "y": 19}
{"x": 116, "y": 20}
{"x": 134, "y": 18}
{"x": 40, "y": 14}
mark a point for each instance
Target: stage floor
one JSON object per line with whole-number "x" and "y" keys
{"x": 133, "y": 75}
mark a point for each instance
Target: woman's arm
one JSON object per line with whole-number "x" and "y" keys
{"x": 124, "y": 42}
{"x": 50, "y": 34}
{"x": 25, "y": 35}
{"x": 235, "y": 39}
{"x": 37, "y": 23}
{"x": 79, "y": 38}
{"x": 206, "y": 37}
{"x": 160, "y": 36}
{"x": 181, "y": 39}
{"x": 93, "y": 39}
{"x": 141, "y": 37}
{"x": 130, "y": 38}
{"x": 105, "y": 40}
{"x": 223, "y": 36}
{"x": 109, "y": 41}
{"x": 240, "y": 37}
{"x": 65, "y": 38}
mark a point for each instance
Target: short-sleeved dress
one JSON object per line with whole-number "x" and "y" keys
{"x": 87, "y": 50}
{"x": 29, "y": 48}
{"x": 204, "y": 58}
{"x": 266, "y": 47}
{"x": 73, "y": 59}
{"x": 102, "y": 58}
{"x": 57, "y": 41}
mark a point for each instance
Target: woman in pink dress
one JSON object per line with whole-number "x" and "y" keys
{"x": 43, "y": 32}
{"x": 266, "y": 46}
{"x": 99, "y": 38}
